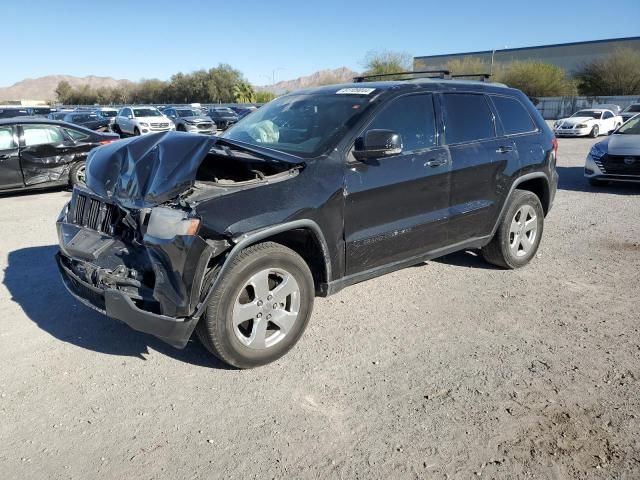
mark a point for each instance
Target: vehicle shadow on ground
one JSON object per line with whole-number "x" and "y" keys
{"x": 572, "y": 178}
{"x": 34, "y": 283}
{"x": 466, "y": 258}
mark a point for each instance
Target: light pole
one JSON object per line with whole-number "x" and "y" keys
{"x": 493, "y": 52}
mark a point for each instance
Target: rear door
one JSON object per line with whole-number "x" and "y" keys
{"x": 470, "y": 133}
{"x": 10, "y": 172}
{"x": 396, "y": 207}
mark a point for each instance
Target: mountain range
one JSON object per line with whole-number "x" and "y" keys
{"x": 43, "y": 88}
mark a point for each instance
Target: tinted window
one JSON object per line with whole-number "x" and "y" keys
{"x": 76, "y": 135}
{"x": 10, "y": 113}
{"x": 6, "y": 138}
{"x": 607, "y": 115}
{"x": 412, "y": 117}
{"x": 467, "y": 117}
{"x": 41, "y": 134}
{"x": 514, "y": 116}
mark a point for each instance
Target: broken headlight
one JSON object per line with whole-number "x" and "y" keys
{"x": 166, "y": 223}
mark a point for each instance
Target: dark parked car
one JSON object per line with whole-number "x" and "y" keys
{"x": 40, "y": 111}
{"x": 90, "y": 120}
{"x": 13, "y": 112}
{"x": 37, "y": 153}
{"x": 233, "y": 237}
{"x": 58, "y": 115}
{"x": 630, "y": 112}
{"x": 223, "y": 117}
{"x": 243, "y": 111}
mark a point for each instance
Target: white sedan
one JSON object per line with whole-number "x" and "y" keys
{"x": 592, "y": 122}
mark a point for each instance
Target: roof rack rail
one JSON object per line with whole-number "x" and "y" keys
{"x": 483, "y": 76}
{"x": 443, "y": 74}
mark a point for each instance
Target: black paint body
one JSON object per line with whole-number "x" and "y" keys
{"x": 46, "y": 165}
{"x": 364, "y": 218}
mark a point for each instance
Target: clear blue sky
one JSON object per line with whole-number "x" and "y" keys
{"x": 154, "y": 39}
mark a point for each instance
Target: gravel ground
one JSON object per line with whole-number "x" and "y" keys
{"x": 450, "y": 369}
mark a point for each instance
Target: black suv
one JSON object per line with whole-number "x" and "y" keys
{"x": 319, "y": 189}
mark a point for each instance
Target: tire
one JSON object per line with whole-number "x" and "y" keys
{"x": 77, "y": 173}
{"x": 513, "y": 244}
{"x": 595, "y": 182}
{"x": 116, "y": 129}
{"x": 594, "y": 132}
{"x": 236, "y": 337}
{"x": 181, "y": 128}
{"x": 136, "y": 131}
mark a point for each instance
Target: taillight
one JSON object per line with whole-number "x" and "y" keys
{"x": 554, "y": 143}
{"x": 105, "y": 142}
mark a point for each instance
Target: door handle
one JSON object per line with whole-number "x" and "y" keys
{"x": 436, "y": 162}
{"x": 504, "y": 149}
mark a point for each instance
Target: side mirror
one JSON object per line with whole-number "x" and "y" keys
{"x": 129, "y": 117}
{"x": 377, "y": 143}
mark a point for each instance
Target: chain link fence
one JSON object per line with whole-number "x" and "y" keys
{"x": 553, "y": 108}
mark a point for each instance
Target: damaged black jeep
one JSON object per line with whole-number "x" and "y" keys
{"x": 233, "y": 237}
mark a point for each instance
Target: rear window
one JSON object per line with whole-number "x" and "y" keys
{"x": 514, "y": 116}
{"x": 76, "y": 135}
{"x": 467, "y": 118}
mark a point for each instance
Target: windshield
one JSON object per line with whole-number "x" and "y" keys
{"x": 588, "y": 113}
{"x": 223, "y": 111}
{"x": 187, "y": 113}
{"x": 146, "y": 112}
{"x": 303, "y": 125}
{"x": 108, "y": 113}
{"x": 631, "y": 127}
{"x": 633, "y": 108}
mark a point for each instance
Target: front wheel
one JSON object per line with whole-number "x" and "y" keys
{"x": 518, "y": 236}
{"x": 136, "y": 131}
{"x": 594, "y": 132}
{"x": 260, "y": 307}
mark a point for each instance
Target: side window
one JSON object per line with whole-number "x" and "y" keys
{"x": 6, "y": 138}
{"x": 76, "y": 135}
{"x": 413, "y": 118}
{"x": 41, "y": 134}
{"x": 607, "y": 115}
{"x": 467, "y": 117}
{"x": 514, "y": 115}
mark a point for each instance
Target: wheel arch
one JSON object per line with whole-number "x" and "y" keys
{"x": 295, "y": 235}
{"x": 534, "y": 182}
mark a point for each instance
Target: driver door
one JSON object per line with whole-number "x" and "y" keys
{"x": 396, "y": 207}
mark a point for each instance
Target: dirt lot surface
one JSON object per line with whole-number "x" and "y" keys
{"x": 451, "y": 369}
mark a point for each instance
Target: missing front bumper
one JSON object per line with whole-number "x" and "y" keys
{"x": 116, "y": 304}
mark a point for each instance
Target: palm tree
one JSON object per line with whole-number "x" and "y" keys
{"x": 243, "y": 93}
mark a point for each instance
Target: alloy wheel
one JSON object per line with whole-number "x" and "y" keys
{"x": 266, "y": 308}
{"x": 523, "y": 231}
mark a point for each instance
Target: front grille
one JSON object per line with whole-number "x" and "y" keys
{"x": 159, "y": 125}
{"x": 619, "y": 165}
{"x": 204, "y": 126}
{"x": 94, "y": 214}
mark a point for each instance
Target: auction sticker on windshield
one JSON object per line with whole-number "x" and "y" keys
{"x": 355, "y": 91}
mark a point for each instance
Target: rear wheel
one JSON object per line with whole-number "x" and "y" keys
{"x": 77, "y": 174}
{"x": 594, "y": 132}
{"x": 518, "y": 236}
{"x": 260, "y": 307}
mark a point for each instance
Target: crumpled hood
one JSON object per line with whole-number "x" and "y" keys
{"x": 623, "y": 144}
{"x": 573, "y": 121}
{"x": 149, "y": 170}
